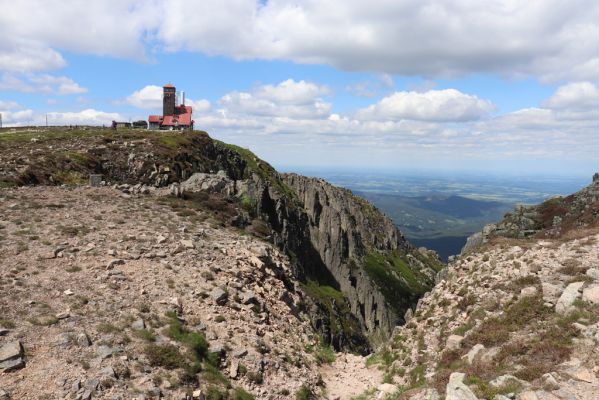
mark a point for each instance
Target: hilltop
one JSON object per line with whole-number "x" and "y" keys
{"x": 196, "y": 249}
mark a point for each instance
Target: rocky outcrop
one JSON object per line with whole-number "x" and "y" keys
{"x": 345, "y": 231}
{"x": 334, "y": 238}
{"x": 552, "y": 218}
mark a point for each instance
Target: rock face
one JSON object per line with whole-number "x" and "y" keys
{"x": 345, "y": 230}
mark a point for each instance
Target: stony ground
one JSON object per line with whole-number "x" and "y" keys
{"x": 98, "y": 288}
{"x": 517, "y": 320}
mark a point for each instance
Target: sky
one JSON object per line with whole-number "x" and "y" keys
{"x": 498, "y": 86}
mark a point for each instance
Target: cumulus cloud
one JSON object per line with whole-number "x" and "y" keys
{"x": 89, "y": 116}
{"x": 433, "y": 105}
{"x": 150, "y": 97}
{"x": 40, "y": 83}
{"x": 546, "y": 39}
{"x": 577, "y": 95}
{"x": 289, "y": 99}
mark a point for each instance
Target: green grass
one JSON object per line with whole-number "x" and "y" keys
{"x": 397, "y": 281}
{"x": 240, "y": 394}
{"x": 325, "y": 355}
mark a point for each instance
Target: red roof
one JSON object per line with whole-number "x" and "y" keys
{"x": 155, "y": 118}
{"x": 168, "y": 85}
{"x": 182, "y": 117}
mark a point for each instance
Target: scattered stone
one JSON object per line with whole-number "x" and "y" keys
{"x": 582, "y": 374}
{"x": 197, "y": 394}
{"x": 550, "y": 292}
{"x": 549, "y": 382}
{"x": 529, "y": 291}
{"x": 249, "y": 297}
{"x": 457, "y": 390}
{"x": 240, "y": 353}
{"x": 113, "y": 263}
{"x": 593, "y": 273}
{"x": 63, "y": 315}
{"x": 591, "y": 294}
{"x": 11, "y": 356}
{"x": 68, "y": 292}
{"x": 219, "y": 296}
{"x": 106, "y": 351}
{"x": 160, "y": 239}
{"x": 505, "y": 380}
{"x": 4, "y": 395}
{"x": 83, "y": 340}
{"x": 107, "y": 372}
{"x": 569, "y": 295}
{"x": 138, "y": 324}
{"x": 473, "y": 353}
{"x": 454, "y": 342}
{"x": 234, "y": 369}
{"x": 188, "y": 244}
{"x": 527, "y": 395}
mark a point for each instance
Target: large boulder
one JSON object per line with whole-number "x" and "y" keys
{"x": 569, "y": 295}
{"x": 457, "y": 390}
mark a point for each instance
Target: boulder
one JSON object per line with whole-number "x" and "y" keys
{"x": 11, "y": 356}
{"x": 219, "y": 296}
{"x": 457, "y": 390}
{"x": 454, "y": 342}
{"x": 527, "y": 395}
{"x": 188, "y": 244}
{"x": 138, "y": 324}
{"x": 550, "y": 292}
{"x": 474, "y": 353}
{"x": 569, "y": 295}
{"x": 591, "y": 294}
{"x": 593, "y": 273}
{"x": 529, "y": 291}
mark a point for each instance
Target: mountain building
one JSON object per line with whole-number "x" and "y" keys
{"x": 173, "y": 117}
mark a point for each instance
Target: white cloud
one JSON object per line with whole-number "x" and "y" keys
{"x": 578, "y": 95}
{"x": 84, "y": 117}
{"x": 40, "y": 83}
{"x": 433, "y": 105}
{"x": 287, "y": 99}
{"x": 149, "y": 97}
{"x": 549, "y": 39}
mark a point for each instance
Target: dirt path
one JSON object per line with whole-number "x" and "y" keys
{"x": 348, "y": 376}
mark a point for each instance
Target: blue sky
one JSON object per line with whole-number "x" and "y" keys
{"x": 493, "y": 86}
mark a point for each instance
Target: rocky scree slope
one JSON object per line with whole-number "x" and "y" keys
{"x": 113, "y": 295}
{"x": 513, "y": 319}
{"x": 392, "y": 274}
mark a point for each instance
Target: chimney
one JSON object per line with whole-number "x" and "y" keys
{"x": 182, "y": 97}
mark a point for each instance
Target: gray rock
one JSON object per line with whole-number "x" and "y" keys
{"x": 239, "y": 353}
{"x": 138, "y": 324}
{"x": 106, "y": 351}
{"x": 234, "y": 368}
{"x": 107, "y": 372}
{"x": 112, "y": 263}
{"x": 591, "y": 294}
{"x": 219, "y": 296}
{"x": 474, "y": 353}
{"x": 4, "y": 395}
{"x": 529, "y": 291}
{"x": 11, "y": 356}
{"x": 249, "y": 297}
{"x": 505, "y": 380}
{"x": 454, "y": 342}
{"x": 457, "y": 390}
{"x": 569, "y": 295}
{"x": 593, "y": 273}
{"x": 83, "y": 340}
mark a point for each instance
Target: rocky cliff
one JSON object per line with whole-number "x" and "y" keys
{"x": 336, "y": 240}
{"x": 379, "y": 271}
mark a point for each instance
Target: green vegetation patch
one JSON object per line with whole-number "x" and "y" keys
{"x": 396, "y": 280}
